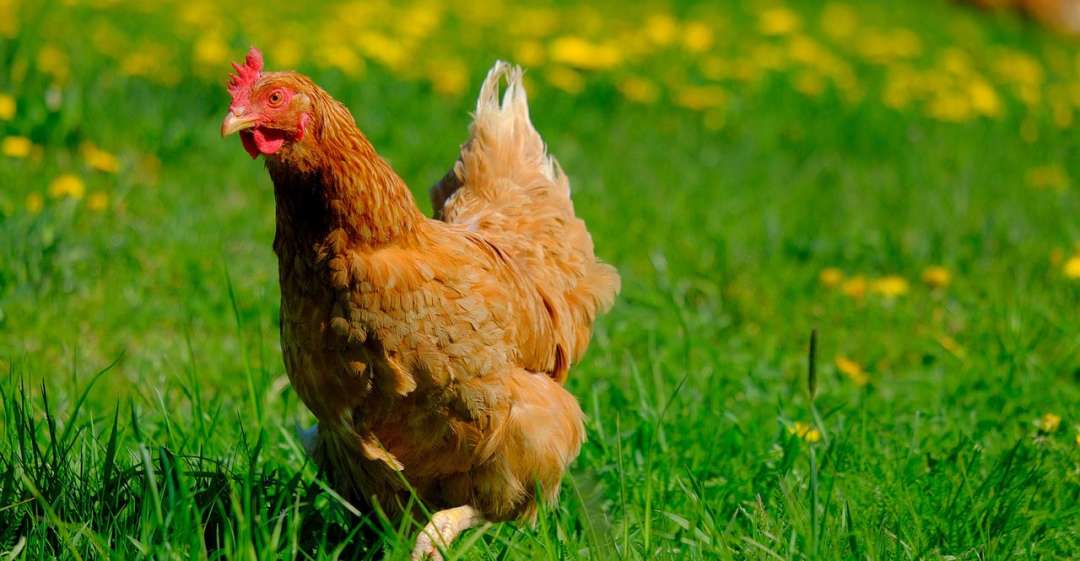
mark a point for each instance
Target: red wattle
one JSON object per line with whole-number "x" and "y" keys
{"x": 268, "y": 141}
{"x": 248, "y": 139}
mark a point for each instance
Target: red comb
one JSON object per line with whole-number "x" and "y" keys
{"x": 246, "y": 74}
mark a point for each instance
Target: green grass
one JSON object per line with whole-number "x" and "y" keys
{"x": 146, "y": 412}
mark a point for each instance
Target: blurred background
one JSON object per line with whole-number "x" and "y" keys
{"x": 900, "y": 175}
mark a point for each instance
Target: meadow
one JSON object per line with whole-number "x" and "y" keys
{"x": 899, "y": 177}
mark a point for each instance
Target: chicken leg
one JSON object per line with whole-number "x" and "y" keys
{"x": 445, "y": 525}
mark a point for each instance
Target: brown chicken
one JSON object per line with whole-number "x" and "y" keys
{"x": 432, "y": 351}
{"x": 1063, "y": 15}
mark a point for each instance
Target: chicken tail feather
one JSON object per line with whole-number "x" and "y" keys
{"x": 507, "y": 187}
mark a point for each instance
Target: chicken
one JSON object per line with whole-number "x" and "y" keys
{"x": 431, "y": 351}
{"x": 1063, "y": 15}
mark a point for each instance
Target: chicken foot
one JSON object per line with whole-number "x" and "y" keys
{"x": 445, "y": 525}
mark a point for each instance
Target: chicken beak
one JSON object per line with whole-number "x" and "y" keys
{"x": 234, "y": 123}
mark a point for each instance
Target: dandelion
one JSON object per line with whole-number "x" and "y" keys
{"x": 853, "y": 370}
{"x": 565, "y": 79}
{"x": 53, "y": 61}
{"x": 951, "y": 106}
{"x": 936, "y": 277}
{"x": 891, "y": 286}
{"x": 16, "y": 146}
{"x": 529, "y": 53}
{"x": 449, "y": 77}
{"x": 1019, "y": 68}
{"x": 9, "y": 19}
{"x": 384, "y": 49}
{"x": 341, "y": 58}
{"x": 809, "y": 84}
{"x": 1049, "y": 423}
{"x": 831, "y": 276}
{"x": 286, "y": 52}
{"x": 1062, "y": 114}
{"x": 778, "y": 21}
{"x": 99, "y": 159}
{"x": 639, "y": 90}
{"x": 67, "y": 185}
{"x": 805, "y": 431}
{"x": 661, "y": 29}
{"x": 838, "y": 21}
{"x": 701, "y": 97}
{"x": 1049, "y": 177}
{"x": 577, "y": 52}
{"x": 854, "y": 287}
{"x": 697, "y": 37}
{"x": 211, "y": 50}
{"x": 7, "y": 107}
{"x": 34, "y": 203}
{"x": 984, "y": 100}
{"x": 1072, "y": 267}
{"x": 98, "y": 201}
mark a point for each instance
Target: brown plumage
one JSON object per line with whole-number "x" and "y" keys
{"x": 433, "y": 349}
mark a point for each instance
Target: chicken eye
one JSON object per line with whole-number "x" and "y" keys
{"x": 276, "y": 98}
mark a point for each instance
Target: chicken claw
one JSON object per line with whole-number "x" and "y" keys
{"x": 445, "y": 525}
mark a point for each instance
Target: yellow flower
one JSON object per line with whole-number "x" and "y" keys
{"x": 936, "y": 277}
{"x": 891, "y": 286}
{"x": 67, "y": 185}
{"x": 838, "y": 21}
{"x": 212, "y": 50}
{"x": 54, "y": 62}
{"x": 831, "y": 276}
{"x": 697, "y": 37}
{"x": 805, "y": 431}
{"x": 7, "y": 107}
{"x": 1051, "y": 177}
{"x": 951, "y": 106}
{"x": 99, "y": 159}
{"x": 778, "y": 21}
{"x": 661, "y": 29}
{"x": 1078, "y": 439}
{"x": 9, "y": 19}
{"x": 34, "y": 203}
{"x": 529, "y": 53}
{"x": 639, "y": 90}
{"x": 385, "y": 49}
{"x": 701, "y": 97}
{"x": 1049, "y": 423}
{"x": 449, "y": 77}
{"x": 341, "y": 58}
{"x": 16, "y": 146}
{"x": 810, "y": 84}
{"x": 97, "y": 201}
{"x": 577, "y": 52}
{"x": 854, "y": 287}
{"x": 1072, "y": 267}
{"x": 984, "y": 99}
{"x": 852, "y": 370}
{"x": 565, "y": 79}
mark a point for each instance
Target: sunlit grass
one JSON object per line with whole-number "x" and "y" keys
{"x": 899, "y": 176}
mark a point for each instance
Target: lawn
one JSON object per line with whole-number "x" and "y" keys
{"x": 898, "y": 176}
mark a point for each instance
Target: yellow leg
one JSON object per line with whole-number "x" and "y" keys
{"x": 445, "y": 525}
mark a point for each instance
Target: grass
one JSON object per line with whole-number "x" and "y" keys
{"x": 146, "y": 412}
